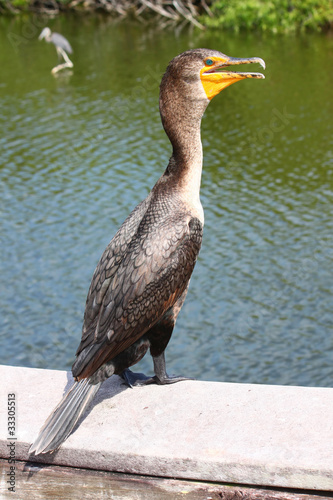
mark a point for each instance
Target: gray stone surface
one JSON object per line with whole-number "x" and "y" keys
{"x": 235, "y": 433}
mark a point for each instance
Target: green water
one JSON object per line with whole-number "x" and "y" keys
{"x": 78, "y": 152}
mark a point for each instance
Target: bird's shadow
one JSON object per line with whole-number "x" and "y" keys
{"x": 110, "y": 388}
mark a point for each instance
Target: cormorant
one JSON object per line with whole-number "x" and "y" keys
{"x": 141, "y": 281}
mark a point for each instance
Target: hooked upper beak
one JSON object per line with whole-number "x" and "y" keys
{"x": 234, "y": 61}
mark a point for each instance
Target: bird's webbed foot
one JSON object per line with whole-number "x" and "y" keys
{"x": 169, "y": 379}
{"x": 140, "y": 379}
{"x": 161, "y": 377}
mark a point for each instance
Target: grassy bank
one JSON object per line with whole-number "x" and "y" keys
{"x": 277, "y": 16}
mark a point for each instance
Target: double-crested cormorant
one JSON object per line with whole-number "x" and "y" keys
{"x": 62, "y": 46}
{"x": 141, "y": 281}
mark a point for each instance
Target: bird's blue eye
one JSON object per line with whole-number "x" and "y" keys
{"x": 209, "y": 62}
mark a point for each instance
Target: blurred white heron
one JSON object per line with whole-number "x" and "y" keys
{"x": 62, "y": 46}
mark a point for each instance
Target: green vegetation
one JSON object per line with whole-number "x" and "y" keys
{"x": 46, "y": 6}
{"x": 277, "y": 16}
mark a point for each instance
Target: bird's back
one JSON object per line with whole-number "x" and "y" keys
{"x": 142, "y": 273}
{"x": 62, "y": 42}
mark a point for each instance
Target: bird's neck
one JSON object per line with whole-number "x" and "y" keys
{"x": 181, "y": 118}
{"x": 185, "y": 168}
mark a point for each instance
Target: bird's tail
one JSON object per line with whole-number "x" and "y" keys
{"x": 64, "y": 417}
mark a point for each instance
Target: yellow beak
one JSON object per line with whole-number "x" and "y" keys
{"x": 214, "y": 78}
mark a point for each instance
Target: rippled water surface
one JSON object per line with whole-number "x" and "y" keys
{"x": 78, "y": 152}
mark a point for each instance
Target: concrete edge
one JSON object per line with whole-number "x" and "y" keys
{"x": 269, "y": 436}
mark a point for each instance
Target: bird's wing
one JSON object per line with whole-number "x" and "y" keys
{"x": 61, "y": 41}
{"x": 128, "y": 299}
{"x": 107, "y": 268}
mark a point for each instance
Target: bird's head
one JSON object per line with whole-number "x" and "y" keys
{"x": 46, "y": 33}
{"x": 191, "y": 80}
{"x": 208, "y": 70}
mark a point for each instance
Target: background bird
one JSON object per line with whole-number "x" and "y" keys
{"x": 62, "y": 46}
{"x": 141, "y": 281}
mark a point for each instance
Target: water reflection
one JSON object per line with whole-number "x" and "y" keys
{"x": 79, "y": 153}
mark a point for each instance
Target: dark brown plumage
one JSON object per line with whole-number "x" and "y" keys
{"x": 141, "y": 281}
{"x": 141, "y": 276}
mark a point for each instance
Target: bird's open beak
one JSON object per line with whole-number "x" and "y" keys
{"x": 215, "y": 78}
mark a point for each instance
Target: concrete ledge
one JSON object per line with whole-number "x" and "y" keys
{"x": 235, "y": 433}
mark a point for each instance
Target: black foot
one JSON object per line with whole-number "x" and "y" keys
{"x": 133, "y": 379}
{"x": 139, "y": 379}
{"x": 169, "y": 379}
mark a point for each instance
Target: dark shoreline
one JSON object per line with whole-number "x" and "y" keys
{"x": 212, "y": 14}
{"x": 174, "y": 11}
